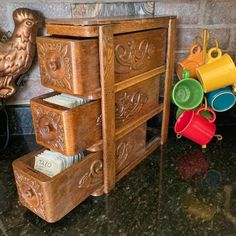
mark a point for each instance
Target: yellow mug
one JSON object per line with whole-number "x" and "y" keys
{"x": 219, "y": 71}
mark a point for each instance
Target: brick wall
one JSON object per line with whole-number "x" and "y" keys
{"x": 193, "y": 16}
{"x": 219, "y": 16}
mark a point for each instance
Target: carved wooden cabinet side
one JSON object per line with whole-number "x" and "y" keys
{"x": 116, "y": 63}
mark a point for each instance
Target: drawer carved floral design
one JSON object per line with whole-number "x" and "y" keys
{"x": 143, "y": 52}
{"x": 127, "y": 105}
{"x": 50, "y": 127}
{"x": 130, "y": 104}
{"x": 30, "y": 193}
{"x": 93, "y": 176}
{"x": 123, "y": 151}
{"x": 134, "y": 54}
{"x": 55, "y": 63}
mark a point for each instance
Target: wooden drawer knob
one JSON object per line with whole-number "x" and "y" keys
{"x": 54, "y": 66}
{"x": 46, "y": 128}
{"x": 29, "y": 195}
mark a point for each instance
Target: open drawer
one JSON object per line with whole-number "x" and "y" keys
{"x": 71, "y": 130}
{"x": 52, "y": 198}
{"x": 66, "y": 130}
{"x": 71, "y": 65}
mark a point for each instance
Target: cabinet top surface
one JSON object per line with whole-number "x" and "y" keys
{"x": 104, "y": 21}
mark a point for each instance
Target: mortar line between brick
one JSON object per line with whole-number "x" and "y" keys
{"x": 181, "y": 51}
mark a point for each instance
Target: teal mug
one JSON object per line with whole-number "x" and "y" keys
{"x": 221, "y": 100}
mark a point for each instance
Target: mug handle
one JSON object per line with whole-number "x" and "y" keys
{"x": 211, "y": 58}
{"x": 195, "y": 50}
{"x": 234, "y": 89}
{"x": 216, "y": 42}
{"x": 205, "y": 104}
{"x": 178, "y": 136}
{"x": 208, "y": 109}
{"x": 196, "y": 38}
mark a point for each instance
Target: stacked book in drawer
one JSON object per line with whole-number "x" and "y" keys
{"x": 68, "y": 121}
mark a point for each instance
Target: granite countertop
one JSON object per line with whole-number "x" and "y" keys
{"x": 178, "y": 190}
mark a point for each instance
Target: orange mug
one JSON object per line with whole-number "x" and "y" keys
{"x": 194, "y": 59}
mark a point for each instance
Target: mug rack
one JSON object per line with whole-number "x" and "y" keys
{"x": 117, "y": 63}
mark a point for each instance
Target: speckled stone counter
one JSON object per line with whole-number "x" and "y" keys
{"x": 178, "y": 190}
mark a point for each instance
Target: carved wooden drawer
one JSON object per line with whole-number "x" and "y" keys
{"x": 66, "y": 130}
{"x": 136, "y": 101}
{"x": 129, "y": 147}
{"x": 52, "y": 198}
{"x": 68, "y": 65}
{"x": 70, "y": 130}
{"x": 72, "y": 65}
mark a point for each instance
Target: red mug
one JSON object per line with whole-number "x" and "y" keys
{"x": 195, "y": 127}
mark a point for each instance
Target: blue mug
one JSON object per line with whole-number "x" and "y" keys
{"x": 221, "y": 99}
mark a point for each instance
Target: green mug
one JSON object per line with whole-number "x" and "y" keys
{"x": 187, "y": 94}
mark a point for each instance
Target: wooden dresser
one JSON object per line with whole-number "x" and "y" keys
{"x": 118, "y": 64}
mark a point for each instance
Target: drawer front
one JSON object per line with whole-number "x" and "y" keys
{"x": 69, "y": 66}
{"x": 136, "y": 101}
{"x": 72, "y": 66}
{"x": 48, "y": 126}
{"x": 52, "y": 198}
{"x": 139, "y": 52}
{"x": 66, "y": 130}
{"x": 129, "y": 147}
